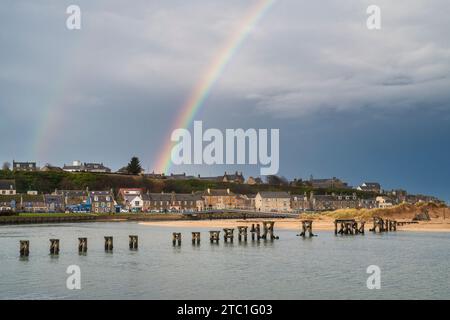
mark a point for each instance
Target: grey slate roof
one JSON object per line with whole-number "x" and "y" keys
{"x": 274, "y": 194}
{"x": 7, "y": 184}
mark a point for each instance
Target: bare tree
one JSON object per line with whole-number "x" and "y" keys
{"x": 6, "y": 166}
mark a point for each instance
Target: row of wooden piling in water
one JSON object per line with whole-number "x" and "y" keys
{"x": 267, "y": 233}
{"x": 341, "y": 226}
{"x": 24, "y": 245}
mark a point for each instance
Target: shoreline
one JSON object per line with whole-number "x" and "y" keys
{"x": 324, "y": 224}
{"x": 320, "y": 222}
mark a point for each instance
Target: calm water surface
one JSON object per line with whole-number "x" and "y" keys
{"x": 413, "y": 265}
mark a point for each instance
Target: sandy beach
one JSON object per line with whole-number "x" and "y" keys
{"x": 320, "y": 223}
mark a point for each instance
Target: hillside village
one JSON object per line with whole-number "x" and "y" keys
{"x": 216, "y": 193}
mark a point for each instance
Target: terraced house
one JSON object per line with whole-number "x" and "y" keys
{"x": 219, "y": 199}
{"x": 102, "y": 201}
{"x": 268, "y": 201}
{"x": 172, "y": 202}
{"x": 7, "y": 187}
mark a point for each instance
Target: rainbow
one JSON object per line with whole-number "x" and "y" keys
{"x": 202, "y": 89}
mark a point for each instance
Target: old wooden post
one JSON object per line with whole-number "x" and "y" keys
{"x": 82, "y": 245}
{"x": 228, "y": 234}
{"x": 109, "y": 243}
{"x": 24, "y": 248}
{"x": 54, "y": 246}
{"x": 214, "y": 236}
{"x": 378, "y": 223}
{"x": 242, "y": 233}
{"x": 133, "y": 242}
{"x": 306, "y": 228}
{"x": 268, "y": 230}
{"x": 254, "y": 231}
{"x": 361, "y": 227}
{"x": 195, "y": 237}
{"x": 176, "y": 238}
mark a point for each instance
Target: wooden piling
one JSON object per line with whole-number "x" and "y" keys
{"x": 82, "y": 245}
{"x": 54, "y": 246}
{"x": 24, "y": 248}
{"x": 195, "y": 237}
{"x": 176, "y": 238}
{"x": 268, "y": 230}
{"x": 214, "y": 236}
{"x": 348, "y": 227}
{"x": 306, "y": 228}
{"x": 109, "y": 243}
{"x": 228, "y": 233}
{"x": 242, "y": 230}
{"x": 133, "y": 242}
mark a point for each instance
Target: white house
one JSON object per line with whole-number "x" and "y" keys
{"x": 383, "y": 202}
{"x": 134, "y": 203}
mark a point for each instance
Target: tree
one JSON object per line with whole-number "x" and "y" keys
{"x": 276, "y": 180}
{"x": 134, "y": 167}
{"x": 6, "y": 166}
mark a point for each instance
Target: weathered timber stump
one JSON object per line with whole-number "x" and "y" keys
{"x": 214, "y": 236}
{"x": 268, "y": 233}
{"x": 228, "y": 234}
{"x": 378, "y": 224}
{"x": 54, "y": 246}
{"x": 82, "y": 245}
{"x": 133, "y": 242}
{"x": 176, "y": 238}
{"x": 109, "y": 243}
{"x": 195, "y": 237}
{"x": 348, "y": 227}
{"x": 306, "y": 228}
{"x": 24, "y": 248}
{"x": 242, "y": 233}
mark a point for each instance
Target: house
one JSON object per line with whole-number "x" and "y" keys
{"x": 187, "y": 202}
{"x": 101, "y": 201}
{"x": 219, "y": 199}
{"x": 329, "y": 183}
{"x": 324, "y": 202}
{"x": 370, "y": 187}
{"x": 33, "y": 204}
{"x": 154, "y": 175}
{"x": 123, "y": 192}
{"x": 133, "y": 203}
{"x": 77, "y": 166}
{"x": 73, "y": 197}
{"x": 333, "y": 201}
{"x": 180, "y": 176}
{"x": 269, "y": 201}
{"x": 54, "y": 203}
{"x": 383, "y": 202}
{"x": 49, "y": 167}
{"x": 300, "y": 202}
{"x": 237, "y": 177}
{"x": 245, "y": 202}
{"x": 368, "y": 203}
{"x": 7, "y": 187}
{"x": 8, "y": 203}
{"x": 24, "y": 166}
{"x": 157, "y": 202}
{"x": 253, "y": 181}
